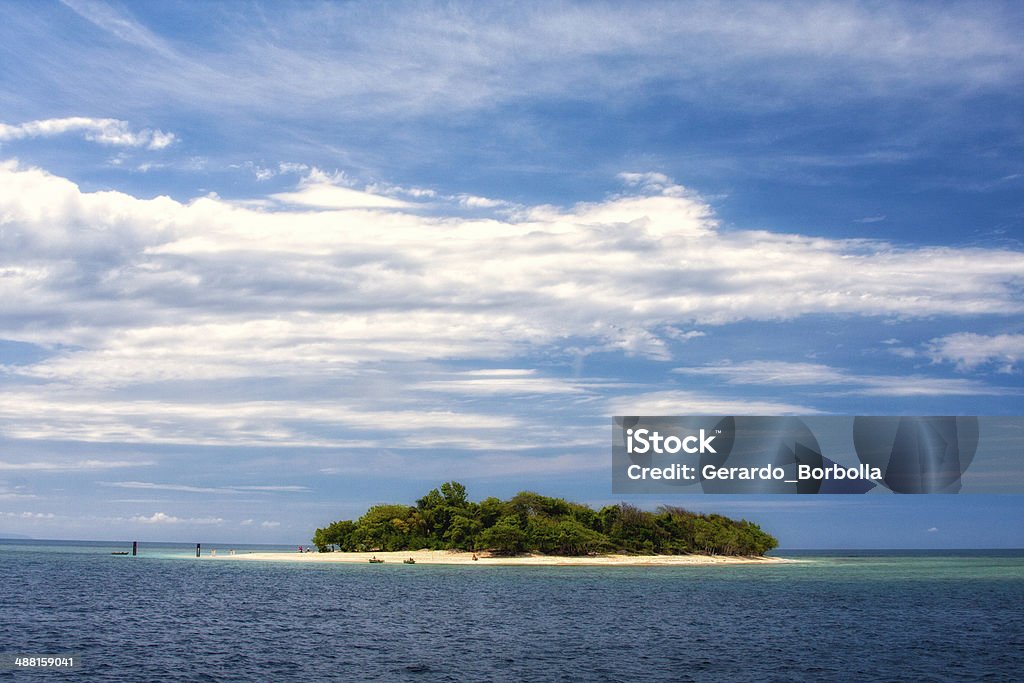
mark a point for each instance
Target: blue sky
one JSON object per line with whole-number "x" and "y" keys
{"x": 266, "y": 264}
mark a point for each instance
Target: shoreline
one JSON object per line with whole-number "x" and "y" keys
{"x": 454, "y": 557}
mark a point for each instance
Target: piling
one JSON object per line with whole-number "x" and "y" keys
{"x": 135, "y": 548}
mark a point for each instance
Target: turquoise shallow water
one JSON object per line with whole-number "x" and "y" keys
{"x": 835, "y": 616}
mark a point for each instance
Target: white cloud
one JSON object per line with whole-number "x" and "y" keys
{"x": 292, "y": 167}
{"x": 782, "y": 373}
{"x": 343, "y": 61}
{"x": 776, "y": 373}
{"x": 104, "y": 131}
{"x": 501, "y": 372}
{"x": 969, "y": 350}
{"x": 273, "y": 489}
{"x": 203, "y": 489}
{"x": 71, "y": 466}
{"x": 164, "y": 518}
{"x": 472, "y": 202}
{"x": 164, "y": 487}
{"x": 481, "y": 466}
{"x": 17, "y": 492}
{"x": 29, "y": 516}
{"x": 107, "y": 18}
{"x": 653, "y": 183}
{"x": 270, "y": 525}
{"x": 321, "y": 190}
{"x": 677, "y": 402}
{"x": 472, "y": 384}
{"x": 679, "y": 335}
{"x": 49, "y": 414}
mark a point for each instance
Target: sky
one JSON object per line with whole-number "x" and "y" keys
{"x": 264, "y": 265}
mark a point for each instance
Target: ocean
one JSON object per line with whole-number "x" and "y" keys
{"x": 857, "y": 615}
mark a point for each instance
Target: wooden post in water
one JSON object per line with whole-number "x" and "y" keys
{"x": 197, "y": 549}
{"x": 135, "y": 548}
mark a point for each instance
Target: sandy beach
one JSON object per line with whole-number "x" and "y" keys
{"x": 483, "y": 558}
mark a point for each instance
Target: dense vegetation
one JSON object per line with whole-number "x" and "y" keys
{"x": 528, "y": 522}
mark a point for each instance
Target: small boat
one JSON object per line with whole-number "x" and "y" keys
{"x": 119, "y": 552}
{"x": 374, "y": 560}
{"x": 409, "y": 561}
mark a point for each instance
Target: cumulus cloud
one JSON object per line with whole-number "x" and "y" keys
{"x": 29, "y": 515}
{"x": 321, "y": 190}
{"x": 112, "y": 132}
{"x": 265, "y": 525}
{"x": 341, "y": 288}
{"x": 389, "y": 279}
{"x": 969, "y": 350}
{"x": 164, "y": 518}
{"x": 473, "y": 202}
{"x": 652, "y": 183}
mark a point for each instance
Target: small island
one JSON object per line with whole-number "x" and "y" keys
{"x": 536, "y": 526}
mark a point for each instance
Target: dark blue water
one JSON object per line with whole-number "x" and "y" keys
{"x": 837, "y": 616}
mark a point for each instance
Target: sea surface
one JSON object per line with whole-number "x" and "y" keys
{"x": 857, "y": 615}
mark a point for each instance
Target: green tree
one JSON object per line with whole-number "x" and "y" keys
{"x": 490, "y": 510}
{"x": 454, "y": 494}
{"x": 505, "y": 537}
{"x": 384, "y": 527}
{"x": 333, "y": 537}
{"x": 461, "y": 532}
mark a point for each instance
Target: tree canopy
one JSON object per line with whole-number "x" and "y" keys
{"x": 528, "y": 522}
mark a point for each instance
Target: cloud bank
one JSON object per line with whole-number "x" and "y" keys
{"x": 144, "y": 304}
{"x": 371, "y": 280}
